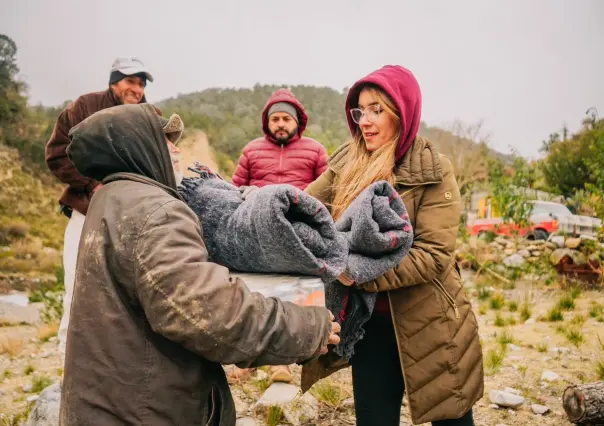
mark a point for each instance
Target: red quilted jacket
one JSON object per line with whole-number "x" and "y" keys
{"x": 264, "y": 161}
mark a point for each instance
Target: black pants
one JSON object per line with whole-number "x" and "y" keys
{"x": 377, "y": 378}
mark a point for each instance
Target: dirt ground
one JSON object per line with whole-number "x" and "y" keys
{"x": 569, "y": 347}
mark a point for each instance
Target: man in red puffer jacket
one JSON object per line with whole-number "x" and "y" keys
{"x": 283, "y": 155}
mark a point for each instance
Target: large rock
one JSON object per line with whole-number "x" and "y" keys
{"x": 501, "y": 240}
{"x": 539, "y": 409}
{"x": 514, "y": 260}
{"x": 16, "y": 309}
{"x": 47, "y": 408}
{"x": 553, "y": 246}
{"x": 506, "y": 399}
{"x": 557, "y": 241}
{"x": 577, "y": 257}
{"x": 549, "y": 376}
{"x": 572, "y": 243}
{"x": 496, "y": 246}
{"x": 524, "y": 253}
{"x": 297, "y": 410}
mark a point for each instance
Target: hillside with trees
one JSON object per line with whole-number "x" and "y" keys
{"x": 232, "y": 117}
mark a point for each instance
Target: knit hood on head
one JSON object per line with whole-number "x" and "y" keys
{"x": 402, "y": 87}
{"x": 123, "y": 139}
{"x": 284, "y": 95}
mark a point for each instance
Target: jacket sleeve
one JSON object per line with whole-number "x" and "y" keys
{"x": 321, "y": 188}
{"x": 197, "y": 303}
{"x": 241, "y": 177}
{"x": 435, "y": 236}
{"x": 56, "y": 156}
{"x": 321, "y": 165}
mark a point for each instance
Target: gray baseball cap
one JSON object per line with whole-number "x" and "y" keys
{"x": 130, "y": 65}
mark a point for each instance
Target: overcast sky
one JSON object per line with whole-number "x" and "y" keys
{"x": 524, "y": 67}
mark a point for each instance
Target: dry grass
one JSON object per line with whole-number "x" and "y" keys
{"x": 329, "y": 393}
{"x": 599, "y": 368}
{"x": 274, "y": 415}
{"x": 28, "y": 255}
{"x": 10, "y": 345}
{"x": 493, "y": 359}
{"x": 555, "y": 314}
{"x": 522, "y": 369}
{"x": 46, "y": 331}
{"x": 505, "y": 338}
{"x": 525, "y": 312}
{"x": 28, "y": 369}
{"x": 39, "y": 383}
{"x": 261, "y": 384}
{"x": 5, "y": 322}
{"x": 497, "y": 302}
{"x": 13, "y": 230}
{"x": 575, "y": 337}
{"x": 566, "y": 303}
{"x": 596, "y": 310}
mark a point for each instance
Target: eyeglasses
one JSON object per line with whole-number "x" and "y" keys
{"x": 372, "y": 112}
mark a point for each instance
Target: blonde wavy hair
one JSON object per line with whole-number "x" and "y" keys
{"x": 362, "y": 167}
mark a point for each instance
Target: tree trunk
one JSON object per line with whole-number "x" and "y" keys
{"x": 584, "y": 404}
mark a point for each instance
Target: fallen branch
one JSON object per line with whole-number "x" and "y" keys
{"x": 484, "y": 267}
{"x": 498, "y": 276}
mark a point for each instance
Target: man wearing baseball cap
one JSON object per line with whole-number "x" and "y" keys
{"x": 127, "y": 81}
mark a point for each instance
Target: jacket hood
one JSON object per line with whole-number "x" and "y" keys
{"x": 122, "y": 139}
{"x": 402, "y": 87}
{"x": 284, "y": 95}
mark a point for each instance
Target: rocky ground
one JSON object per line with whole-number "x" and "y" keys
{"x": 537, "y": 339}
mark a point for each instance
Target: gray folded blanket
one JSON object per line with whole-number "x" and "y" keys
{"x": 280, "y": 229}
{"x": 379, "y": 234}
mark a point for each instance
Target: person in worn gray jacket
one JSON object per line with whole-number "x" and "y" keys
{"x": 152, "y": 319}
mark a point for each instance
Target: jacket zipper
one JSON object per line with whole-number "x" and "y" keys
{"x": 280, "y": 163}
{"x": 213, "y": 412}
{"x": 449, "y": 298}
{"x": 398, "y": 344}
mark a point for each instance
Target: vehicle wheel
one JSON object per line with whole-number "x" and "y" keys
{"x": 540, "y": 234}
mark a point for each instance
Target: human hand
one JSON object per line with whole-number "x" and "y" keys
{"x": 247, "y": 191}
{"x": 333, "y": 339}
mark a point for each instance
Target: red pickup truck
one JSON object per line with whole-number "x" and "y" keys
{"x": 547, "y": 218}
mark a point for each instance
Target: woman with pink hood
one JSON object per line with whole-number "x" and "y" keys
{"x": 423, "y": 335}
